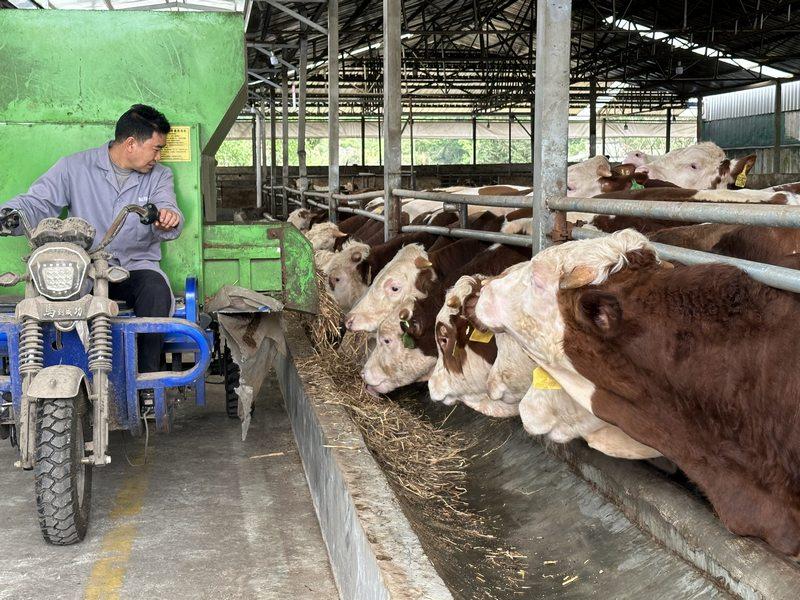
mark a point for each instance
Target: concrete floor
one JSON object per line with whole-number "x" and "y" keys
{"x": 208, "y": 517}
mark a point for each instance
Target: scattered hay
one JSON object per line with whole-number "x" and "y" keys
{"x": 425, "y": 463}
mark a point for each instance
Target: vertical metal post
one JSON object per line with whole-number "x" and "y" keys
{"x": 273, "y": 155}
{"x": 699, "y": 119}
{"x": 392, "y": 113}
{"x": 593, "y": 118}
{"x": 301, "y": 119}
{"x": 776, "y": 151}
{"x": 333, "y": 107}
{"x": 285, "y": 136}
{"x": 603, "y": 136}
{"x": 510, "y": 118}
{"x": 258, "y": 133}
{"x": 411, "y": 135}
{"x": 474, "y": 141}
{"x": 668, "y": 140}
{"x": 380, "y": 140}
{"x": 553, "y": 34}
{"x": 532, "y": 137}
{"x": 363, "y": 138}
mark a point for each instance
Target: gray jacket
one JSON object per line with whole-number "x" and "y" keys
{"x": 85, "y": 184}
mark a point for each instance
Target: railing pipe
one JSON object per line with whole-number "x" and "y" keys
{"x": 778, "y": 277}
{"x": 486, "y": 236}
{"x": 769, "y": 215}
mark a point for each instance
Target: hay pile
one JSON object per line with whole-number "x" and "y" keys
{"x": 425, "y": 463}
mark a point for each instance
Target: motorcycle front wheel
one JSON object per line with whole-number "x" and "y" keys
{"x": 63, "y": 482}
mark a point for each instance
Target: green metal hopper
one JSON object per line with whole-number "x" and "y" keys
{"x": 66, "y": 78}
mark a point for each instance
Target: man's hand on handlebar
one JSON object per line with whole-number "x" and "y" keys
{"x": 9, "y": 221}
{"x": 167, "y": 219}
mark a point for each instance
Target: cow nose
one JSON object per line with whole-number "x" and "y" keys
{"x": 349, "y": 322}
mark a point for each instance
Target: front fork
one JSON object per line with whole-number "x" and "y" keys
{"x": 31, "y": 355}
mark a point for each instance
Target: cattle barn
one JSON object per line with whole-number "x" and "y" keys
{"x": 422, "y": 299}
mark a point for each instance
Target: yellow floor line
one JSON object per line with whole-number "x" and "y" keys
{"x": 108, "y": 572}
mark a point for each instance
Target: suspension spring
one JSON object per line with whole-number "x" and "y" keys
{"x": 31, "y": 347}
{"x": 100, "y": 345}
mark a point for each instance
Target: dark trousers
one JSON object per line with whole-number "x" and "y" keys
{"x": 148, "y": 294}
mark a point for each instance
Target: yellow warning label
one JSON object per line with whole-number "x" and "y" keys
{"x": 179, "y": 145}
{"x": 542, "y": 380}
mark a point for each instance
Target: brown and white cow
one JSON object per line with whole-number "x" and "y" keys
{"x": 694, "y": 361}
{"x": 488, "y": 373}
{"x": 324, "y": 236}
{"x": 700, "y": 166}
{"x": 507, "y": 305}
{"x": 300, "y": 218}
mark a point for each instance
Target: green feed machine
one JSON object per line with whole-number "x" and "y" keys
{"x": 67, "y": 356}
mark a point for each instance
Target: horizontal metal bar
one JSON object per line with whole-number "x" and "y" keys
{"x": 296, "y": 15}
{"x": 361, "y": 196}
{"x": 292, "y": 190}
{"x": 769, "y": 215}
{"x": 317, "y": 204}
{"x": 323, "y": 195}
{"x": 486, "y": 236}
{"x": 501, "y": 201}
{"x": 778, "y": 277}
{"x": 363, "y": 213}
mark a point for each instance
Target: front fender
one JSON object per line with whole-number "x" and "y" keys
{"x": 59, "y": 381}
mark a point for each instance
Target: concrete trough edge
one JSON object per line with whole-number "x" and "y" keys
{"x": 373, "y": 551}
{"x": 746, "y": 567}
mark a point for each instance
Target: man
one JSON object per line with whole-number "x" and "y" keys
{"x": 95, "y": 185}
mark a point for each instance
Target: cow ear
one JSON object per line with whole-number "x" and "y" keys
{"x": 580, "y": 276}
{"x": 356, "y": 257}
{"x": 600, "y": 311}
{"x": 339, "y": 234}
{"x": 422, "y": 263}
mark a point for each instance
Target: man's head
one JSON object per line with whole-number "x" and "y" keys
{"x": 140, "y": 135}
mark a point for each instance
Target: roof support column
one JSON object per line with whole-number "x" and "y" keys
{"x": 258, "y": 133}
{"x": 392, "y": 115}
{"x": 776, "y": 151}
{"x": 333, "y": 107}
{"x": 363, "y": 138}
{"x": 668, "y": 140}
{"x": 510, "y": 117}
{"x": 411, "y": 135}
{"x": 301, "y": 122}
{"x": 593, "y": 118}
{"x": 603, "y": 134}
{"x": 474, "y": 141}
{"x": 273, "y": 155}
{"x": 699, "y": 119}
{"x": 551, "y": 129}
{"x": 285, "y": 139}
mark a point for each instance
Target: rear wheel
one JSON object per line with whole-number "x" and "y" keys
{"x": 230, "y": 372}
{"x": 63, "y": 482}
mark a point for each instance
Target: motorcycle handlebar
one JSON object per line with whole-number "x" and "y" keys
{"x": 148, "y": 214}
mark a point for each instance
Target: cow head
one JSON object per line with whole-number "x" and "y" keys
{"x": 698, "y": 167}
{"x": 300, "y": 218}
{"x": 637, "y": 158}
{"x": 323, "y": 236}
{"x": 402, "y": 279}
{"x": 584, "y": 178}
{"x": 396, "y": 360}
{"x": 344, "y": 280}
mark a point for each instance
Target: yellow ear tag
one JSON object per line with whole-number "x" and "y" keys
{"x": 542, "y": 380}
{"x": 482, "y": 337}
{"x": 741, "y": 178}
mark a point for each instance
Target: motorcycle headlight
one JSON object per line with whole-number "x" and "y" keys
{"x": 58, "y": 271}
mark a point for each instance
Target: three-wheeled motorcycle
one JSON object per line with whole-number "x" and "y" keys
{"x": 70, "y": 363}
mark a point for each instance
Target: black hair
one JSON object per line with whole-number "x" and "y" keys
{"x": 140, "y": 122}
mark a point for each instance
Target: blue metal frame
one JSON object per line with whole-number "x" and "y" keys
{"x": 182, "y": 335}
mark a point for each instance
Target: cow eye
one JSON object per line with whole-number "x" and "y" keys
{"x": 694, "y": 166}
{"x": 395, "y": 288}
{"x": 570, "y": 188}
{"x": 387, "y": 341}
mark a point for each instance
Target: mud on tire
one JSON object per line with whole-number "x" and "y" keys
{"x": 63, "y": 484}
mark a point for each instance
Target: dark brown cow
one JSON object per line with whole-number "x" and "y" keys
{"x": 698, "y": 363}
{"x": 773, "y": 245}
